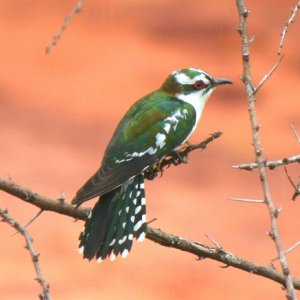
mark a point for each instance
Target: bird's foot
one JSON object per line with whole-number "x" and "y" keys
{"x": 178, "y": 158}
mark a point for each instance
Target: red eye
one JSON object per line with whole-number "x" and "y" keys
{"x": 199, "y": 85}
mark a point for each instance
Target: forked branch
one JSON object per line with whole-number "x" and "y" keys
{"x": 260, "y": 160}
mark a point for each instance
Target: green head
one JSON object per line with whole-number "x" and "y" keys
{"x": 191, "y": 82}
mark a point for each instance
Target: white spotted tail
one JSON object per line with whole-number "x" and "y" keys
{"x": 117, "y": 218}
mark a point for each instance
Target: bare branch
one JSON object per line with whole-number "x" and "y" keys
{"x": 45, "y": 295}
{"x": 286, "y": 27}
{"x": 271, "y": 164}
{"x": 156, "y": 235}
{"x": 273, "y": 211}
{"x": 76, "y": 10}
{"x": 203, "y": 251}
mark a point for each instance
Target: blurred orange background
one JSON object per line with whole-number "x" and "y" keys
{"x": 58, "y": 112}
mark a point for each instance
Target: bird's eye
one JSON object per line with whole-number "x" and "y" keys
{"x": 199, "y": 85}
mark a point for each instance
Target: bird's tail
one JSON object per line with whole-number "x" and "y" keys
{"x": 117, "y": 218}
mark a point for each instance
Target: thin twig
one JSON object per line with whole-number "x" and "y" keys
{"x": 271, "y": 164}
{"x": 286, "y": 27}
{"x": 295, "y": 134}
{"x": 267, "y": 76}
{"x": 247, "y": 200}
{"x": 34, "y": 218}
{"x": 67, "y": 21}
{"x": 289, "y": 178}
{"x": 288, "y": 250}
{"x": 156, "y": 235}
{"x": 296, "y": 187}
{"x": 273, "y": 211}
{"x": 45, "y": 295}
{"x": 30, "y": 221}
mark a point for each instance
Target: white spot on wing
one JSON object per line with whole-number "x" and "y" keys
{"x": 151, "y": 150}
{"x": 141, "y": 237}
{"x": 167, "y": 127}
{"x": 174, "y": 119}
{"x": 121, "y": 241}
{"x": 80, "y": 250}
{"x": 137, "y": 209}
{"x": 138, "y": 225}
{"x": 160, "y": 140}
{"x": 112, "y": 242}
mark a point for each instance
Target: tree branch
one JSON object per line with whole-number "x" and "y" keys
{"x": 68, "y": 19}
{"x": 273, "y": 211}
{"x": 45, "y": 295}
{"x": 155, "y": 235}
{"x": 178, "y": 157}
{"x": 271, "y": 164}
{"x": 287, "y": 25}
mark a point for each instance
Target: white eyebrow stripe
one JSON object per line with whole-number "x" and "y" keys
{"x": 184, "y": 79}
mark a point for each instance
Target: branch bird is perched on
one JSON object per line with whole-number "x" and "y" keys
{"x": 152, "y": 128}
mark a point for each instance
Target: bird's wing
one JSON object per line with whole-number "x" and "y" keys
{"x": 150, "y": 130}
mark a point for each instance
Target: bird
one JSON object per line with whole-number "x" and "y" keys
{"x": 154, "y": 127}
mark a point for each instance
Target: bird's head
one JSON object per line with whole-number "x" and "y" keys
{"x": 191, "y": 83}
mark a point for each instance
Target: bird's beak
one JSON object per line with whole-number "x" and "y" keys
{"x": 219, "y": 81}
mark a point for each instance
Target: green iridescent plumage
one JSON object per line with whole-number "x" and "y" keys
{"x": 134, "y": 144}
{"x": 151, "y": 129}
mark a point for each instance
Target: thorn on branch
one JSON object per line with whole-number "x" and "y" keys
{"x": 216, "y": 244}
{"x": 245, "y": 12}
{"x": 276, "y": 212}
